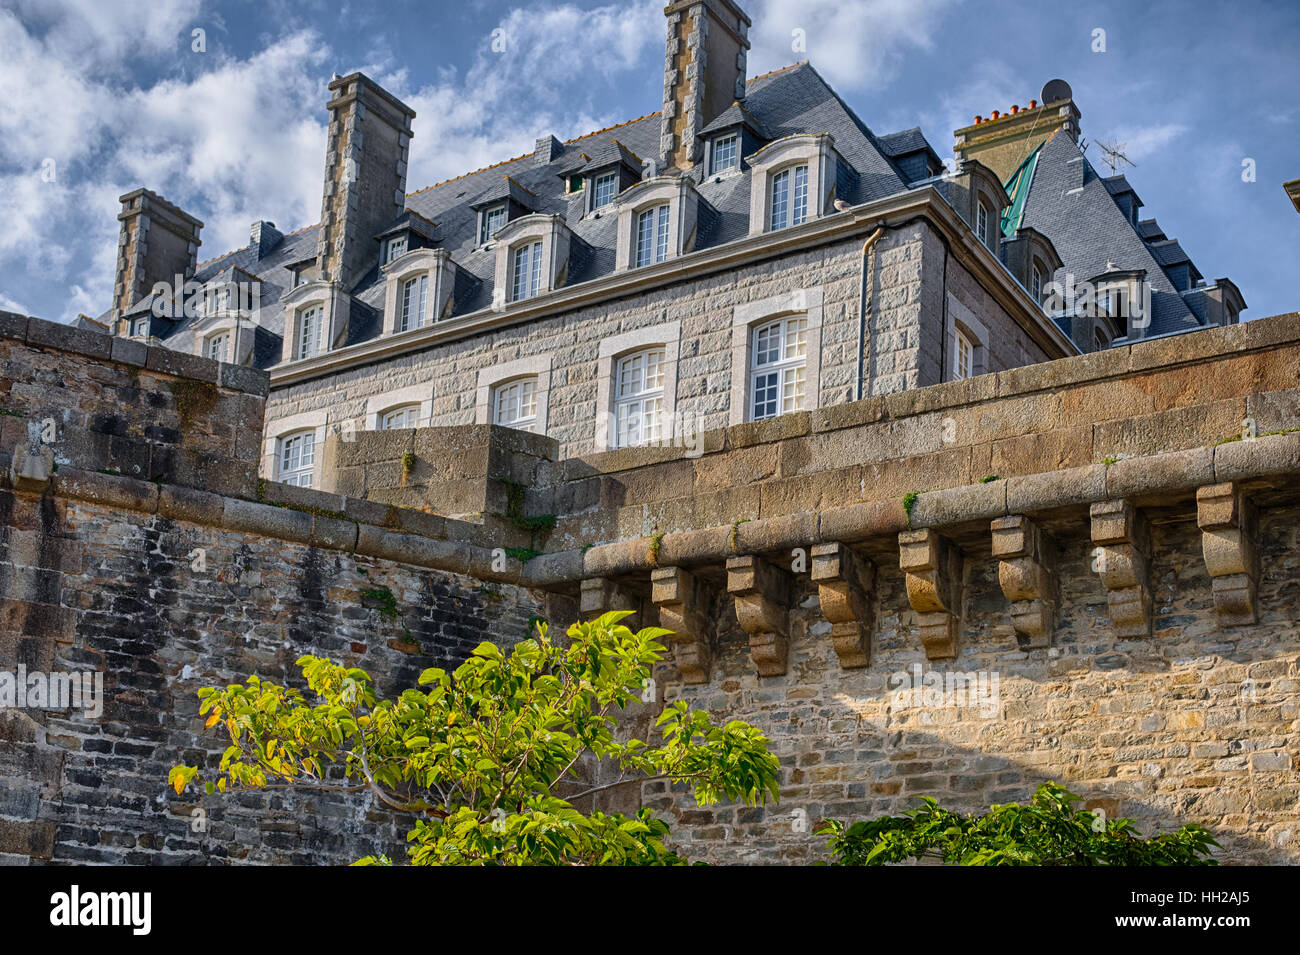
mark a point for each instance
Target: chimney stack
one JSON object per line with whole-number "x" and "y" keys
{"x": 547, "y": 149}
{"x": 157, "y": 242}
{"x": 365, "y": 175}
{"x": 1004, "y": 141}
{"x": 263, "y": 237}
{"x": 704, "y": 72}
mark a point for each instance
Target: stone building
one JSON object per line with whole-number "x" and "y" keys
{"x": 751, "y": 249}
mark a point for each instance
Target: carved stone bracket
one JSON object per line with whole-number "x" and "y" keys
{"x": 1122, "y": 558}
{"x": 762, "y": 594}
{"x": 600, "y": 595}
{"x": 1229, "y": 540}
{"x": 1027, "y": 573}
{"x": 684, "y": 601}
{"x": 935, "y": 569}
{"x": 846, "y": 588}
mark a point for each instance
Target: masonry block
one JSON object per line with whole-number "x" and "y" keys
{"x": 935, "y": 569}
{"x": 1122, "y": 558}
{"x": 762, "y": 594}
{"x": 684, "y": 603}
{"x": 1027, "y": 573}
{"x": 600, "y": 595}
{"x": 847, "y": 593}
{"x": 1230, "y": 543}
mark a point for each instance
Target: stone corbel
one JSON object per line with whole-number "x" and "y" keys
{"x": 1027, "y": 573}
{"x": 935, "y": 570}
{"x": 600, "y": 595}
{"x": 684, "y": 601}
{"x": 846, "y": 588}
{"x": 762, "y": 594}
{"x": 1122, "y": 559}
{"x": 1229, "y": 540}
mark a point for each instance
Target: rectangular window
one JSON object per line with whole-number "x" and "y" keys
{"x": 297, "y": 459}
{"x": 725, "y": 154}
{"x": 962, "y": 357}
{"x": 493, "y": 219}
{"x": 526, "y": 272}
{"x": 778, "y": 376}
{"x": 605, "y": 189}
{"x": 404, "y": 417}
{"x": 217, "y": 347}
{"x": 652, "y": 236}
{"x": 140, "y": 327}
{"x": 982, "y": 222}
{"x": 1036, "y": 284}
{"x": 309, "y": 325}
{"x": 515, "y": 404}
{"x": 411, "y": 306}
{"x": 396, "y": 247}
{"x": 575, "y": 184}
{"x": 639, "y": 399}
{"x": 800, "y": 215}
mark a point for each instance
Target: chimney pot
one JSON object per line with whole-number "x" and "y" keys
{"x": 995, "y": 115}
{"x": 978, "y": 120}
{"x": 1014, "y": 110}
{"x": 1033, "y": 103}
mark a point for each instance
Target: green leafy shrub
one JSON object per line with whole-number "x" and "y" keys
{"x": 1050, "y": 830}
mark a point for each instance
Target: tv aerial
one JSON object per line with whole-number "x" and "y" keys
{"x": 1114, "y": 155}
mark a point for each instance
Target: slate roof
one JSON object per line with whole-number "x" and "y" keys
{"x": 1091, "y": 232}
{"x": 786, "y": 102}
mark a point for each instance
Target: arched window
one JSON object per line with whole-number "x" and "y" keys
{"x": 526, "y": 271}
{"x": 652, "y": 235}
{"x": 789, "y": 198}
{"x": 309, "y": 325}
{"x": 778, "y": 375}
{"x": 405, "y": 416}
{"x": 639, "y": 398}
{"x": 411, "y": 303}
{"x": 514, "y": 404}
{"x": 297, "y": 458}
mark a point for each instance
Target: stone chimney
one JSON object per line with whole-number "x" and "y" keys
{"x": 156, "y": 243}
{"x": 546, "y": 150}
{"x": 704, "y": 72}
{"x": 1002, "y": 141}
{"x": 365, "y": 175}
{"x": 263, "y": 237}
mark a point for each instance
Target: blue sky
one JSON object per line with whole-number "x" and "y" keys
{"x": 103, "y": 96}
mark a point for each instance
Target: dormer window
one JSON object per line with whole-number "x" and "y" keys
{"x": 140, "y": 327}
{"x": 411, "y": 303}
{"x": 604, "y": 190}
{"x": 491, "y": 221}
{"x": 525, "y": 271}
{"x": 726, "y": 154}
{"x": 219, "y": 347}
{"x": 652, "y": 235}
{"x": 309, "y": 325}
{"x": 396, "y": 247}
{"x": 575, "y": 184}
{"x": 789, "y": 204}
{"x": 982, "y": 222}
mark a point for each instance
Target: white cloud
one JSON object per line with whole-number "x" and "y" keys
{"x": 854, "y": 44}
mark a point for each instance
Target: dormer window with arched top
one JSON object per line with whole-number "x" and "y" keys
{"x": 793, "y": 180}
{"x": 532, "y": 258}
{"x": 418, "y": 290}
{"x": 657, "y": 221}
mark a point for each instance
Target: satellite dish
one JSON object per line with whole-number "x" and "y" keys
{"x": 1055, "y": 91}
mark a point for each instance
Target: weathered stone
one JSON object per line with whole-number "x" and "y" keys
{"x": 1027, "y": 573}
{"x": 935, "y": 569}
{"x": 684, "y": 603}
{"x": 762, "y": 598}
{"x": 846, "y": 590}
{"x": 1229, "y": 541}
{"x": 1122, "y": 559}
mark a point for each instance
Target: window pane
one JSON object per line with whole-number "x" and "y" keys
{"x": 724, "y": 154}
{"x": 766, "y": 387}
{"x": 309, "y": 332}
{"x": 644, "y": 234}
{"x": 661, "y": 249}
{"x": 780, "y": 199}
{"x": 800, "y": 196}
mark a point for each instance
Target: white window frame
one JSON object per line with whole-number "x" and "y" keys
{"x": 673, "y": 237}
{"x": 613, "y": 350}
{"x": 597, "y": 189}
{"x": 525, "y": 270}
{"x": 222, "y": 337}
{"x": 304, "y": 474}
{"x": 789, "y": 367}
{"x": 302, "y": 340}
{"x": 732, "y": 140}
{"x": 400, "y": 417}
{"x": 486, "y": 231}
{"x": 545, "y": 274}
{"x": 790, "y": 184}
{"x": 963, "y": 356}
{"x": 412, "y": 296}
{"x": 490, "y": 379}
{"x": 522, "y": 392}
{"x": 652, "y": 246}
{"x": 395, "y": 248}
{"x": 639, "y": 399}
{"x": 816, "y": 151}
{"x": 982, "y": 216}
{"x": 413, "y": 395}
{"x": 140, "y": 326}
{"x": 747, "y": 321}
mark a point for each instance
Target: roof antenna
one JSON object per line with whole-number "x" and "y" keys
{"x": 1114, "y": 153}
